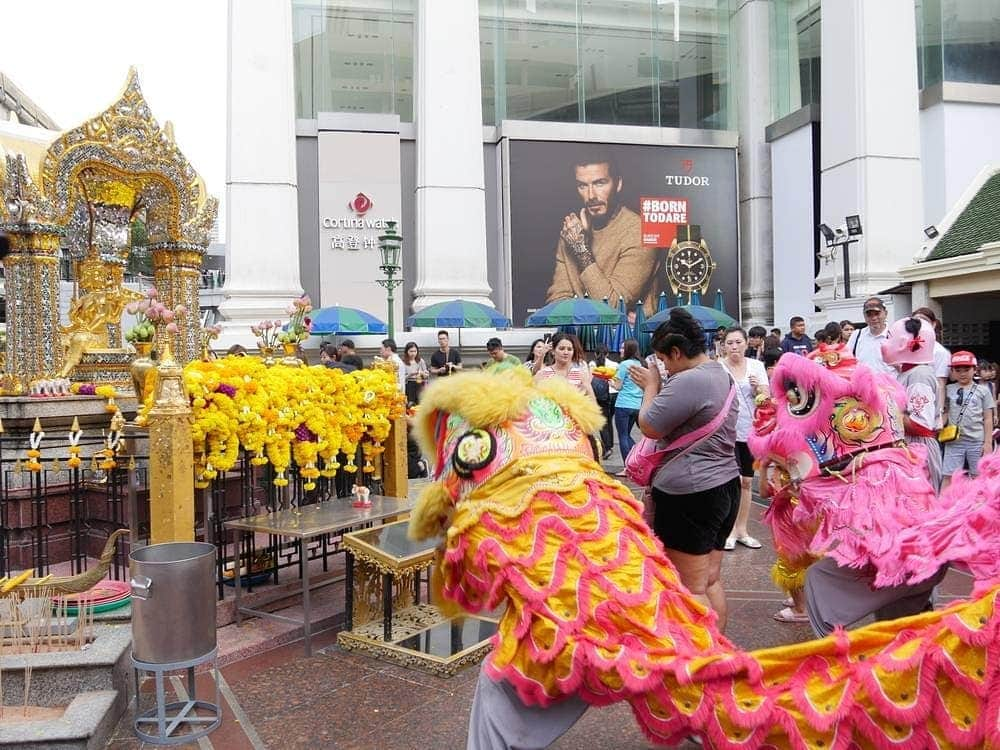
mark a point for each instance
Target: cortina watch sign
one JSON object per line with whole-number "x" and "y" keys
{"x": 362, "y": 230}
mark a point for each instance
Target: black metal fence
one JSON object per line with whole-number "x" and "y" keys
{"x": 62, "y": 514}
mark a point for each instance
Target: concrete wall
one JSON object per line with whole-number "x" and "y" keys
{"x": 958, "y": 139}
{"x": 793, "y": 224}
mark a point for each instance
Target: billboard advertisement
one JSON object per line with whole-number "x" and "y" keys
{"x": 621, "y": 220}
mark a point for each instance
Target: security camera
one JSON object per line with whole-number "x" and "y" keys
{"x": 840, "y": 231}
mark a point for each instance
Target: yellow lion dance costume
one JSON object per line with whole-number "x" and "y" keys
{"x": 595, "y": 609}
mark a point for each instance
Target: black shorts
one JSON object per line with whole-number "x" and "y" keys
{"x": 744, "y": 458}
{"x": 699, "y": 522}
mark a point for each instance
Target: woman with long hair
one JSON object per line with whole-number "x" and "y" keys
{"x": 629, "y": 399}
{"x": 696, "y": 491}
{"x": 539, "y": 355}
{"x": 568, "y": 362}
{"x": 416, "y": 372}
{"x": 751, "y": 381}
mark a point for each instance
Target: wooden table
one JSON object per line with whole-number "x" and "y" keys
{"x": 310, "y": 521}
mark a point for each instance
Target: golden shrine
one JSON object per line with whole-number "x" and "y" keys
{"x": 79, "y": 198}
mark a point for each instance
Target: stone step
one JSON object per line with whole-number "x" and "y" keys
{"x": 57, "y": 678}
{"x": 86, "y": 724}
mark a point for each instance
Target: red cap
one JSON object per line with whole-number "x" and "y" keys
{"x": 963, "y": 359}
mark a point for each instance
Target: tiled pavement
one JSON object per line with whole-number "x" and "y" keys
{"x": 282, "y": 700}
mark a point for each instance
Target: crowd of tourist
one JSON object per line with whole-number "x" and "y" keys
{"x": 698, "y": 392}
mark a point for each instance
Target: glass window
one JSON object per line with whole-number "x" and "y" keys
{"x": 629, "y": 62}
{"x": 795, "y": 55}
{"x": 958, "y": 40}
{"x": 353, "y": 56}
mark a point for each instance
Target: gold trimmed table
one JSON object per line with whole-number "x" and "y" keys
{"x": 384, "y": 615}
{"x": 305, "y": 523}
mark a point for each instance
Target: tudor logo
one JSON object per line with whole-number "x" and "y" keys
{"x": 360, "y": 204}
{"x": 687, "y": 179}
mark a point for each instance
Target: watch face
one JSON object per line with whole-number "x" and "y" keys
{"x": 690, "y": 265}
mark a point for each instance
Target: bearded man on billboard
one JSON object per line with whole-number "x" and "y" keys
{"x": 600, "y": 251}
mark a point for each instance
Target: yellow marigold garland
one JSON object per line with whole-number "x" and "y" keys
{"x": 283, "y": 414}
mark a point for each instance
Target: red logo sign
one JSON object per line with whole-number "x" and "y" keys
{"x": 360, "y": 204}
{"x": 687, "y": 165}
{"x": 660, "y": 218}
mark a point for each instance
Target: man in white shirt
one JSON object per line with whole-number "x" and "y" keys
{"x": 942, "y": 359}
{"x": 866, "y": 343}
{"x": 388, "y": 352}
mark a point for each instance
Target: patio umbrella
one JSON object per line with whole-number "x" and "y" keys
{"x": 344, "y": 320}
{"x": 577, "y": 311}
{"x": 662, "y": 303}
{"x": 720, "y": 301}
{"x": 708, "y": 317}
{"x": 639, "y": 331}
{"x": 458, "y": 313}
{"x": 621, "y": 331}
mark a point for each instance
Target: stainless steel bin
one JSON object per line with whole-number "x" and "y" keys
{"x": 173, "y": 602}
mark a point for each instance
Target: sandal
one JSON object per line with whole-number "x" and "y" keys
{"x": 749, "y": 541}
{"x": 730, "y": 544}
{"x": 789, "y": 602}
{"x": 790, "y": 615}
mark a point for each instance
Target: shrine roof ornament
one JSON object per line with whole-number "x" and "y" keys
{"x": 120, "y": 157}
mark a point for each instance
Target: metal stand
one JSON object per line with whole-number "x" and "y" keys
{"x": 185, "y": 710}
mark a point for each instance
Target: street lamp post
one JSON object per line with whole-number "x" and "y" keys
{"x": 843, "y": 237}
{"x": 390, "y": 247}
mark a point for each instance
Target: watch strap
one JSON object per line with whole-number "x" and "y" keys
{"x": 689, "y": 233}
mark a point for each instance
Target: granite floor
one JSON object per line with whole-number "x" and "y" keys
{"x": 281, "y": 700}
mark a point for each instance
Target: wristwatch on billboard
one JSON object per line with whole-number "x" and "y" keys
{"x": 689, "y": 261}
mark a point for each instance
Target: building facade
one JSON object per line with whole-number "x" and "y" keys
{"x": 734, "y": 127}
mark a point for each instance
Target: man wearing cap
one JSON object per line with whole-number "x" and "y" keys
{"x": 968, "y": 406}
{"x": 866, "y": 343}
{"x": 500, "y": 360}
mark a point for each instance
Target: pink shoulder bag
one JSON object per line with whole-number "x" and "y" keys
{"x": 645, "y": 458}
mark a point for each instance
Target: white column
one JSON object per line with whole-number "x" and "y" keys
{"x": 753, "y": 104}
{"x": 870, "y": 146}
{"x": 262, "y": 255}
{"x": 450, "y": 193}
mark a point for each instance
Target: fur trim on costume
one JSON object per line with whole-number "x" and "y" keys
{"x": 593, "y": 607}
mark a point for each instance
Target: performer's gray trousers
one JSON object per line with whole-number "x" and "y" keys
{"x": 500, "y": 721}
{"x": 837, "y": 595}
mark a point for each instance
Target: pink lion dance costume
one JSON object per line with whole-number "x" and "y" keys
{"x": 594, "y": 612}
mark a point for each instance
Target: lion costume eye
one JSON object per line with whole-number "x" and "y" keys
{"x": 801, "y": 401}
{"x": 473, "y": 451}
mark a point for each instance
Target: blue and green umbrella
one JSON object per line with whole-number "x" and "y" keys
{"x": 574, "y": 312}
{"x": 708, "y": 317}
{"x": 639, "y": 332}
{"x": 458, "y": 313}
{"x": 620, "y": 332}
{"x": 344, "y": 320}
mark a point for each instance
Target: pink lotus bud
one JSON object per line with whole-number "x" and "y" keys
{"x": 172, "y": 328}
{"x": 132, "y": 308}
{"x": 290, "y": 309}
{"x": 168, "y": 316}
{"x": 180, "y": 310}
{"x": 152, "y": 293}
